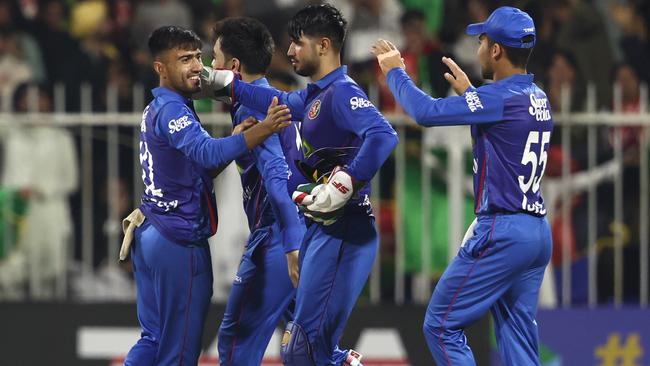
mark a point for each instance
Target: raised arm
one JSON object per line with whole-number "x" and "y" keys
{"x": 473, "y": 106}
{"x": 259, "y": 98}
{"x": 224, "y": 85}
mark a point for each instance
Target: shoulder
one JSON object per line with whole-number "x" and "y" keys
{"x": 347, "y": 94}
{"x": 173, "y": 116}
{"x": 167, "y": 107}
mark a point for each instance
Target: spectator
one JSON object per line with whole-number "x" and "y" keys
{"x": 13, "y": 69}
{"x": 64, "y": 61}
{"x": 464, "y": 48}
{"x": 582, "y": 32}
{"x": 41, "y": 162}
{"x": 563, "y": 72}
{"x": 634, "y": 38}
{"x": 369, "y": 20}
{"x": 422, "y": 55}
{"x": 11, "y": 19}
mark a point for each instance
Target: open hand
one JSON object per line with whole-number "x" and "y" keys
{"x": 387, "y": 55}
{"x": 457, "y": 79}
{"x": 277, "y": 117}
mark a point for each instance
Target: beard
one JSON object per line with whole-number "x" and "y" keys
{"x": 487, "y": 73}
{"x": 306, "y": 68}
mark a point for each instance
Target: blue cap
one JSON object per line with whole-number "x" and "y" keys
{"x": 506, "y": 25}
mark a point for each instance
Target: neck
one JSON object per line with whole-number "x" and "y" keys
{"x": 249, "y": 78}
{"x": 165, "y": 84}
{"x": 328, "y": 64}
{"x": 506, "y": 71}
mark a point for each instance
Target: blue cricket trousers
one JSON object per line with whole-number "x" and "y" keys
{"x": 500, "y": 268}
{"x": 336, "y": 261}
{"x": 174, "y": 287}
{"x": 261, "y": 294}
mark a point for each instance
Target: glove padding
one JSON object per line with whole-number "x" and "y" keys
{"x": 325, "y": 202}
{"x": 216, "y": 84}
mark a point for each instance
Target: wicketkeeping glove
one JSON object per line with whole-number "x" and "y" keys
{"x": 325, "y": 202}
{"x": 216, "y": 84}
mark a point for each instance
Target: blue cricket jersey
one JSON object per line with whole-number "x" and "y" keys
{"x": 177, "y": 156}
{"x": 265, "y": 176}
{"x": 339, "y": 127}
{"x": 511, "y": 126}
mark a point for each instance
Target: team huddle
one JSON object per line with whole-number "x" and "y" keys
{"x": 306, "y": 159}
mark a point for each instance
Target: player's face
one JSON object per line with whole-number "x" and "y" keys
{"x": 484, "y": 58}
{"x": 303, "y": 57}
{"x": 179, "y": 70}
{"x": 220, "y": 60}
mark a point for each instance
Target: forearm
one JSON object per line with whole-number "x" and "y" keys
{"x": 255, "y": 135}
{"x": 259, "y": 98}
{"x": 374, "y": 151}
{"x": 253, "y": 96}
{"x": 410, "y": 97}
{"x": 286, "y": 212}
{"x": 214, "y": 152}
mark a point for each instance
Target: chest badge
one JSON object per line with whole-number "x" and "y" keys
{"x": 314, "y": 110}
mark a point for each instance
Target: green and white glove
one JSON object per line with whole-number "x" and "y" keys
{"x": 325, "y": 202}
{"x": 216, "y": 84}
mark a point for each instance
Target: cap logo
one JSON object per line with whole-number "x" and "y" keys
{"x": 529, "y": 30}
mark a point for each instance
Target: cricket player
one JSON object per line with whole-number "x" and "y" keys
{"x": 263, "y": 288}
{"x": 345, "y": 141}
{"x": 171, "y": 257}
{"x": 501, "y": 264}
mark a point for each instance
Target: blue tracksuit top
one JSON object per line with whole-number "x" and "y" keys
{"x": 339, "y": 126}
{"x": 177, "y": 156}
{"x": 511, "y": 124}
{"x": 264, "y": 177}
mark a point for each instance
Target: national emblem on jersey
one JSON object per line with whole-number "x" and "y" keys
{"x": 315, "y": 109}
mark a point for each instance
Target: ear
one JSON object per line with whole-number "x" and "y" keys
{"x": 236, "y": 65}
{"x": 323, "y": 46}
{"x": 497, "y": 51}
{"x": 159, "y": 67}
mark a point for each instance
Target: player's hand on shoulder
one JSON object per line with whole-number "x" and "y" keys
{"x": 244, "y": 125}
{"x": 457, "y": 78}
{"x": 277, "y": 116}
{"x": 387, "y": 55}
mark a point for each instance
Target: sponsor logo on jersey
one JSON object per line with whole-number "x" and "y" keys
{"x": 358, "y": 102}
{"x": 176, "y": 125}
{"x": 539, "y": 108}
{"x": 473, "y": 101}
{"x": 315, "y": 109}
{"x": 143, "y": 124}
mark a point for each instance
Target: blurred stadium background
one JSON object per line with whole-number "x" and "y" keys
{"x": 75, "y": 76}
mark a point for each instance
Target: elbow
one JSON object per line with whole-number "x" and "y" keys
{"x": 393, "y": 140}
